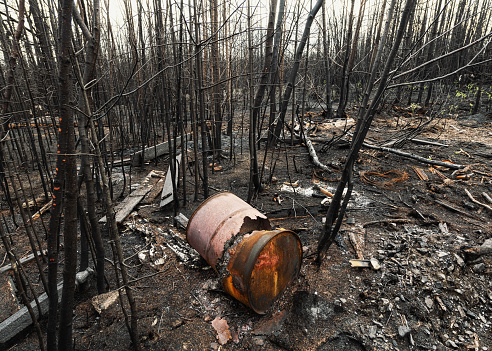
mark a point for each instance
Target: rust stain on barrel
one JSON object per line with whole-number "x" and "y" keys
{"x": 262, "y": 266}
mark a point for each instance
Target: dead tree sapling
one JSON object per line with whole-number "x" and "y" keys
{"x": 92, "y": 38}
{"x": 339, "y": 201}
{"x": 295, "y": 69}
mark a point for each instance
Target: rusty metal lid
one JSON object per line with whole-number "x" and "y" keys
{"x": 261, "y": 267}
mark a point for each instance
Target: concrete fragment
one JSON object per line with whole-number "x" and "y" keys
{"x": 403, "y": 331}
{"x": 429, "y": 302}
{"x": 372, "y": 331}
{"x": 103, "y": 301}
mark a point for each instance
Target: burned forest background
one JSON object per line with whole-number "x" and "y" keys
{"x": 93, "y": 92}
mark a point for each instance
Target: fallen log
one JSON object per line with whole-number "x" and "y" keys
{"x": 313, "y": 155}
{"x": 21, "y": 320}
{"x": 150, "y": 153}
{"x": 472, "y": 253}
{"x": 387, "y": 221}
{"x": 455, "y": 209}
{"x": 414, "y": 157}
{"x": 416, "y": 141}
{"x": 153, "y": 152}
{"x": 294, "y": 212}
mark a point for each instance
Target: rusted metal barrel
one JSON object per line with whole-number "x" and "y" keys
{"x": 255, "y": 263}
{"x": 218, "y": 219}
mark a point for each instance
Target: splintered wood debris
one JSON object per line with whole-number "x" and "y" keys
{"x": 172, "y": 239}
{"x": 357, "y": 242}
{"x": 420, "y": 173}
{"x": 128, "y": 204}
{"x": 372, "y": 263}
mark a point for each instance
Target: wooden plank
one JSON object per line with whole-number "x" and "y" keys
{"x": 153, "y": 151}
{"x": 8, "y": 301}
{"x": 156, "y": 190}
{"x": 128, "y": 204}
{"x": 167, "y": 190}
{"x": 23, "y": 260}
{"x": 20, "y": 320}
{"x": 42, "y": 210}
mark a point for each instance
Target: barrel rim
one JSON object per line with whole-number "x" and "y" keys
{"x": 258, "y": 248}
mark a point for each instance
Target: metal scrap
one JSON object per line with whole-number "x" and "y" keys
{"x": 394, "y": 176}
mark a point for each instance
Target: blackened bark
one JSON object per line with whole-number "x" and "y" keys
{"x": 66, "y": 157}
{"x": 46, "y": 60}
{"x": 344, "y": 85}
{"x": 254, "y": 172}
{"x": 173, "y": 165}
{"x": 431, "y": 52}
{"x": 326, "y": 62}
{"x": 295, "y": 69}
{"x": 339, "y": 202}
{"x": 217, "y": 91}
{"x": 274, "y": 81}
{"x": 85, "y": 169}
{"x": 201, "y": 101}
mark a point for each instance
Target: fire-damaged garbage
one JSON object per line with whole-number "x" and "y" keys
{"x": 254, "y": 261}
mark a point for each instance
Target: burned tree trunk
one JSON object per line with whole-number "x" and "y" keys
{"x": 65, "y": 186}
{"x": 274, "y": 71}
{"x": 216, "y": 90}
{"x": 7, "y": 95}
{"x": 295, "y": 69}
{"x": 326, "y": 62}
{"x": 86, "y": 106}
{"x": 344, "y": 85}
{"x": 339, "y": 202}
{"x": 255, "y": 177}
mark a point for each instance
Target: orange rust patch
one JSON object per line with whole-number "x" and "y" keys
{"x": 266, "y": 260}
